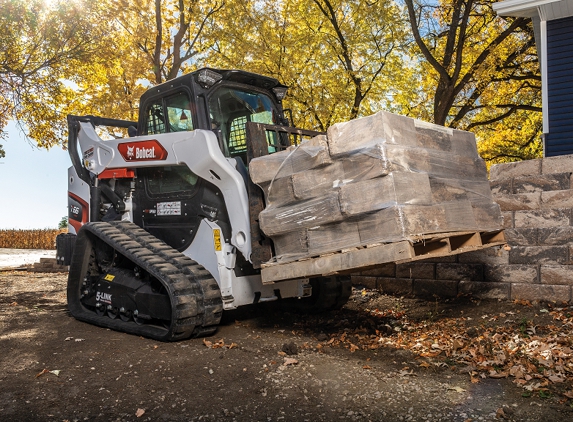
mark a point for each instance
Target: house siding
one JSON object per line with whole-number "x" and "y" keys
{"x": 559, "y": 140}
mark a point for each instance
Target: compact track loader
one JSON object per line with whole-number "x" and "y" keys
{"x": 165, "y": 220}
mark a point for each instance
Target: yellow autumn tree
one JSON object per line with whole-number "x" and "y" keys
{"x": 145, "y": 43}
{"x": 85, "y": 57}
{"x": 480, "y": 73}
{"x": 40, "y": 47}
{"x": 341, "y": 59}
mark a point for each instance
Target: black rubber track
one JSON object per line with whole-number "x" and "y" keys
{"x": 196, "y": 304}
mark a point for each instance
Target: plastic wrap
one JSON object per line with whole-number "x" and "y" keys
{"x": 291, "y": 246}
{"x": 304, "y": 214}
{"x": 368, "y": 163}
{"x": 487, "y": 215}
{"x": 380, "y": 128}
{"x": 388, "y": 178}
{"x": 391, "y": 224}
{"x": 383, "y": 192}
{"x": 309, "y": 154}
{"x": 444, "y": 190}
{"x": 392, "y": 129}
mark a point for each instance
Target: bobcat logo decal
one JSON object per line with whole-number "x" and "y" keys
{"x": 147, "y": 150}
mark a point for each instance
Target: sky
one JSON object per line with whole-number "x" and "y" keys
{"x": 33, "y": 183}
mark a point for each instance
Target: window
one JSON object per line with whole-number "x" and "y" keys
{"x": 230, "y": 109}
{"x": 155, "y": 120}
{"x": 238, "y": 135}
{"x": 179, "y": 115}
{"x": 179, "y": 112}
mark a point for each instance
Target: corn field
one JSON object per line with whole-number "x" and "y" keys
{"x": 29, "y": 239}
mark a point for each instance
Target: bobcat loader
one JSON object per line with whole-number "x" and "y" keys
{"x": 164, "y": 221}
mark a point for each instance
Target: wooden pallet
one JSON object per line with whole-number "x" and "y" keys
{"x": 371, "y": 256}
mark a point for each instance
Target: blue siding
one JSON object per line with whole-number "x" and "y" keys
{"x": 559, "y": 140}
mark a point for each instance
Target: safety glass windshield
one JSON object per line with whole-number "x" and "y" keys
{"x": 230, "y": 109}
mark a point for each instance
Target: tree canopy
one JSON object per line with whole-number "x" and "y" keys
{"x": 452, "y": 62}
{"x": 41, "y": 47}
{"x": 481, "y": 73}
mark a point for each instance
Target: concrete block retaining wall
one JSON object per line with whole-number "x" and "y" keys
{"x": 536, "y": 198}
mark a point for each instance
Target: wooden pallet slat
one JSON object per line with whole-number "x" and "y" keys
{"x": 359, "y": 259}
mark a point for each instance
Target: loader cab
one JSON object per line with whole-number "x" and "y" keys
{"x": 222, "y": 101}
{"x": 219, "y": 100}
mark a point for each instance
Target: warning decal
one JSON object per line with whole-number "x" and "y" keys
{"x": 169, "y": 208}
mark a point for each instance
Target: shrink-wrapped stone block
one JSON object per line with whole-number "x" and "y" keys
{"x": 309, "y": 154}
{"x": 383, "y": 192}
{"x": 380, "y": 128}
{"x": 445, "y": 189}
{"x": 336, "y": 236}
{"x": 305, "y": 214}
{"x": 291, "y": 246}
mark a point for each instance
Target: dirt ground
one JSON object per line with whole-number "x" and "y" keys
{"x": 380, "y": 358}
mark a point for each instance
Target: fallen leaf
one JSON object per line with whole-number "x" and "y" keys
{"x": 290, "y": 361}
{"x": 366, "y": 367}
{"x": 139, "y": 413}
{"x": 44, "y": 371}
{"x": 457, "y": 389}
{"x": 208, "y": 343}
{"x": 430, "y": 355}
{"x": 499, "y": 414}
{"x": 457, "y": 345}
{"x": 233, "y": 346}
{"x": 56, "y": 372}
{"x": 425, "y": 364}
{"x": 497, "y": 375}
{"x": 219, "y": 344}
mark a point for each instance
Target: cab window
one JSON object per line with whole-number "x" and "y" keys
{"x": 230, "y": 109}
{"x": 170, "y": 114}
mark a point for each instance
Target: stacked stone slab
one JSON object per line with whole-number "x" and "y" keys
{"x": 47, "y": 265}
{"x": 536, "y": 198}
{"x": 379, "y": 179}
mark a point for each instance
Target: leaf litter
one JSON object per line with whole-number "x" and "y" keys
{"x": 536, "y": 357}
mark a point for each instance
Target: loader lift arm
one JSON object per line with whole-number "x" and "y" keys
{"x": 73, "y": 131}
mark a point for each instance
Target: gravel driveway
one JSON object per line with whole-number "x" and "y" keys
{"x": 261, "y": 365}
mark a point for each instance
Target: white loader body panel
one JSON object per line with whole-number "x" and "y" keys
{"x": 200, "y": 152}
